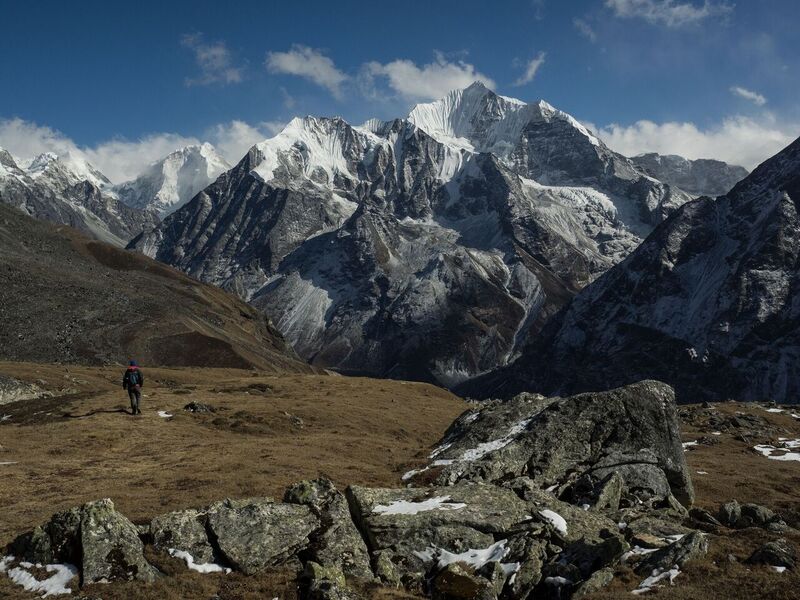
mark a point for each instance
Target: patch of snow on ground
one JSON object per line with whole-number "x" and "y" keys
{"x": 558, "y": 581}
{"x": 8, "y": 462}
{"x": 773, "y": 410}
{"x": 199, "y": 567}
{"x": 404, "y": 507}
{"x": 702, "y": 472}
{"x": 657, "y": 577}
{"x": 52, "y": 586}
{"x": 556, "y": 520}
{"x": 777, "y": 569}
{"x": 476, "y": 558}
{"x": 783, "y": 448}
{"x": 164, "y": 414}
{"x": 687, "y": 445}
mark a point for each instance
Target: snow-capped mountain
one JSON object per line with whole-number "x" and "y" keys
{"x": 701, "y": 177}
{"x": 709, "y": 303}
{"x": 68, "y": 190}
{"x": 427, "y": 247}
{"x": 171, "y": 182}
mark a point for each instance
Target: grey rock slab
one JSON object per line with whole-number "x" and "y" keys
{"x": 183, "y": 530}
{"x": 111, "y": 548}
{"x": 338, "y": 542}
{"x": 257, "y": 533}
{"x": 633, "y": 431}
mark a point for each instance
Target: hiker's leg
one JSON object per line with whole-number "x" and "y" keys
{"x": 132, "y": 397}
{"x": 138, "y": 401}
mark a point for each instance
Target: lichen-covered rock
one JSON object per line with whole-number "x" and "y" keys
{"x": 319, "y": 582}
{"x": 257, "y": 533}
{"x": 632, "y": 431}
{"x": 110, "y": 544}
{"x": 337, "y": 542}
{"x": 102, "y": 541}
{"x": 183, "y": 530}
{"x": 689, "y": 547}
{"x": 778, "y": 553}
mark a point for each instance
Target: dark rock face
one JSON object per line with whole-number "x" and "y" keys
{"x": 56, "y": 193}
{"x": 65, "y": 298}
{"x": 702, "y": 177}
{"x": 393, "y": 250}
{"x": 707, "y": 303}
{"x": 580, "y": 446}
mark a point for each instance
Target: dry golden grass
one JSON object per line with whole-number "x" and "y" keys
{"x": 361, "y": 431}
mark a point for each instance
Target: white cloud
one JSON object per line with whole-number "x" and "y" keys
{"x": 213, "y": 59}
{"x": 585, "y": 28}
{"x": 234, "y": 139}
{"x": 750, "y": 95}
{"x": 427, "y": 82}
{"x": 531, "y": 68}
{"x": 120, "y": 159}
{"x": 668, "y": 12}
{"x": 737, "y": 140}
{"x": 310, "y": 64}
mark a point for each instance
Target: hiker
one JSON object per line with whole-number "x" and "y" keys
{"x": 133, "y": 380}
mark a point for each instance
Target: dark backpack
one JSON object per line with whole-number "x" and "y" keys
{"x": 134, "y": 378}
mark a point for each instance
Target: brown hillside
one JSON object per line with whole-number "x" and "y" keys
{"x": 66, "y": 298}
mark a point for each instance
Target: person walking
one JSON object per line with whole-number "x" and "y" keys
{"x": 133, "y": 380}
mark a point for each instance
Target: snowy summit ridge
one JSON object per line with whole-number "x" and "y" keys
{"x": 429, "y": 247}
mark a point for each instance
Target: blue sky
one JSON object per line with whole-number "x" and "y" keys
{"x": 124, "y": 83}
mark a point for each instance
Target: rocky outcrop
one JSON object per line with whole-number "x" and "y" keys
{"x": 534, "y": 501}
{"x": 13, "y": 390}
{"x": 621, "y": 446}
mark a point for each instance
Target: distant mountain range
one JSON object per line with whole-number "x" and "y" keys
{"x": 468, "y": 244}
{"x": 428, "y": 247}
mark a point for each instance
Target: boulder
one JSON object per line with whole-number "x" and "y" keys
{"x": 689, "y": 547}
{"x": 102, "y": 542}
{"x": 337, "y": 543}
{"x": 414, "y": 530}
{"x": 256, "y": 533}
{"x": 110, "y": 546}
{"x": 778, "y": 553}
{"x": 183, "y": 530}
{"x": 598, "y": 580}
{"x": 741, "y": 516}
{"x": 632, "y": 431}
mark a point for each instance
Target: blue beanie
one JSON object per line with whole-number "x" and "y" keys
{"x": 133, "y": 363}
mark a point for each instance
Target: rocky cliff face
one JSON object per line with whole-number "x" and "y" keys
{"x": 69, "y": 191}
{"x": 426, "y": 247}
{"x": 708, "y": 303}
{"x": 702, "y": 177}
